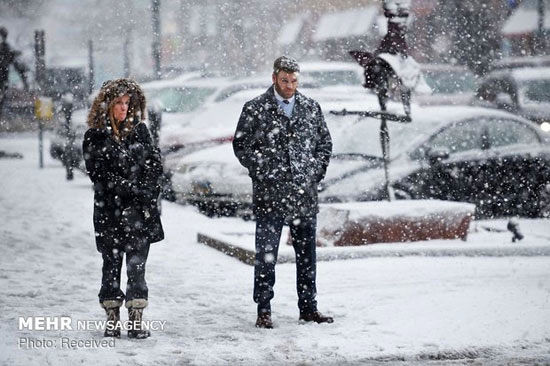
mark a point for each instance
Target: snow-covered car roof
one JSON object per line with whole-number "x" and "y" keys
{"x": 177, "y": 81}
{"x": 521, "y": 62}
{"x": 443, "y": 67}
{"x": 523, "y": 73}
{"x": 328, "y": 65}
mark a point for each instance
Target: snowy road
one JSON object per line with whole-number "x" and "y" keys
{"x": 452, "y": 310}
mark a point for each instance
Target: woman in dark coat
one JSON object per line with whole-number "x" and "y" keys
{"x": 125, "y": 168}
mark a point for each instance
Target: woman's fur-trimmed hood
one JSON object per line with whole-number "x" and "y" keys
{"x": 98, "y": 116}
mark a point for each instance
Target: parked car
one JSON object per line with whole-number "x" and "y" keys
{"x": 524, "y": 91}
{"x": 450, "y": 84}
{"x": 494, "y": 159}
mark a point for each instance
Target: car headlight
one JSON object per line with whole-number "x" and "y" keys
{"x": 202, "y": 188}
{"x": 545, "y": 126}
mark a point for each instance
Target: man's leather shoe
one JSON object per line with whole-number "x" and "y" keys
{"x": 316, "y": 317}
{"x": 264, "y": 321}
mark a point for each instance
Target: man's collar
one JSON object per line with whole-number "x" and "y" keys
{"x": 280, "y": 99}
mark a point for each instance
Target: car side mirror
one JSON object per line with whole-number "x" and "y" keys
{"x": 437, "y": 155}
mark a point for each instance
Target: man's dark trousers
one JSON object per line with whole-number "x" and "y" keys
{"x": 268, "y": 234}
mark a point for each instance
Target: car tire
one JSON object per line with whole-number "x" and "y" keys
{"x": 206, "y": 209}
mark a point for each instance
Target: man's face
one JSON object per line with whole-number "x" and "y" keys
{"x": 285, "y": 83}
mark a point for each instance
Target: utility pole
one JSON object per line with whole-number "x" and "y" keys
{"x": 126, "y": 57}
{"x": 91, "y": 72}
{"x": 541, "y": 39}
{"x": 39, "y": 55}
{"x": 40, "y": 68}
{"x": 156, "y": 37}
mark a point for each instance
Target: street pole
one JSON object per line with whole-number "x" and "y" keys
{"x": 126, "y": 57}
{"x": 156, "y": 37}
{"x": 541, "y": 39}
{"x": 40, "y": 68}
{"x": 91, "y": 71}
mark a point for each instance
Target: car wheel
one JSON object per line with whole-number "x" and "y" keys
{"x": 206, "y": 209}
{"x": 544, "y": 201}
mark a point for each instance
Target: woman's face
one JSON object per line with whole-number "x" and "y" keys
{"x": 120, "y": 108}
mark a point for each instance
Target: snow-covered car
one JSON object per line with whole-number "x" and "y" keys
{"x": 450, "y": 84}
{"x": 524, "y": 91}
{"x": 492, "y": 158}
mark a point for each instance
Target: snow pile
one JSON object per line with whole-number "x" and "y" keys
{"x": 489, "y": 310}
{"x": 362, "y": 223}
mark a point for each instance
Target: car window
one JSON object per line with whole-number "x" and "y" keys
{"x": 536, "y": 91}
{"x": 461, "y": 136}
{"x": 181, "y": 99}
{"x": 450, "y": 82}
{"x": 333, "y": 77}
{"x": 504, "y": 132}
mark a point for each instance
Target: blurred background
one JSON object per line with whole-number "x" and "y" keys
{"x": 244, "y": 36}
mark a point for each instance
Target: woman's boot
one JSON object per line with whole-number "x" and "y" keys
{"x": 112, "y": 308}
{"x": 135, "y": 317}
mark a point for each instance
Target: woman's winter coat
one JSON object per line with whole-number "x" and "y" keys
{"x": 126, "y": 175}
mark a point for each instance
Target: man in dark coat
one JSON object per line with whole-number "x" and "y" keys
{"x": 8, "y": 57}
{"x": 283, "y": 141}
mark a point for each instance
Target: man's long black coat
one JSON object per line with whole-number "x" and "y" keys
{"x": 285, "y": 157}
{"x": 126, "y": 177}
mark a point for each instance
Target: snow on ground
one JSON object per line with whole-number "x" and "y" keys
{"x": 449, "y": 309}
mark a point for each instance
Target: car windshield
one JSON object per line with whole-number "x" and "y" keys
{"x": 180, "y": 100}
{"x": 536, "y": 91}
{"x": 333, "y": 77}
{"x": 450, "y": 81}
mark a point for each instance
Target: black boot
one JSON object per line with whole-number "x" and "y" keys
{"x": 264, "y": 321}
{"x": 112, "y": 308}
{"x": 315, "y": 316}
{"x": 135, "y": 317}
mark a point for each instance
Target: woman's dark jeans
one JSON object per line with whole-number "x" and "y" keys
{"x": 136, "y": 258}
